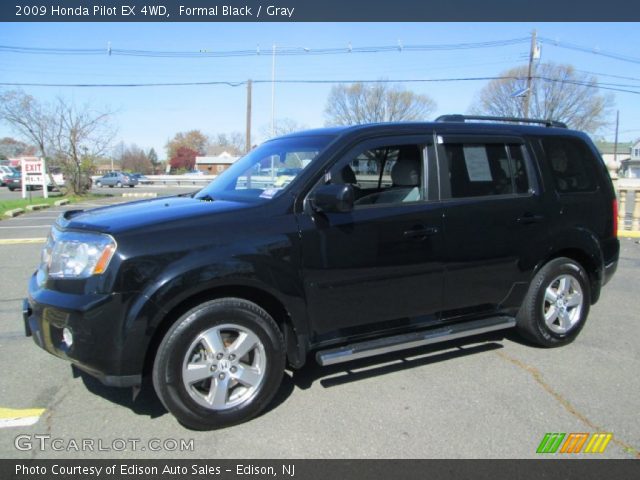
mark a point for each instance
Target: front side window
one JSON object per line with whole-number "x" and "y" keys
{"x": 383, "y": 175}
{"x": 265, "y": 172}
{"x": 478, "y": 169}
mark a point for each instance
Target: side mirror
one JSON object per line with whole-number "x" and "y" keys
{"x": 333, "y": 197}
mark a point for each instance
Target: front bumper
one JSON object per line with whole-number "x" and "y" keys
{"x": 97, "y": 323}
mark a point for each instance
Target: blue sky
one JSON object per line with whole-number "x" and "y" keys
{"x": 150, "y": 116}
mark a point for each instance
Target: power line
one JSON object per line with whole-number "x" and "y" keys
{"x": 595, "y": 51}
{"x": 607, "y": 86}
{"x": 287, "y": 51}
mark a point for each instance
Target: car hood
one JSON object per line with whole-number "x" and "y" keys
{"x": 127, "y": 216}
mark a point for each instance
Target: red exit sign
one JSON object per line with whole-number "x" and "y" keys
{"x": 34, "y": 167}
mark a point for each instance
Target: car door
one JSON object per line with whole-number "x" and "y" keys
{"x": 379, "y": 266}
{"x": 108, "y": 179}
{"x": 493, "y": 221}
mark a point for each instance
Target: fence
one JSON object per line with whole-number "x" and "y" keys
{"x": 628, "y": 205}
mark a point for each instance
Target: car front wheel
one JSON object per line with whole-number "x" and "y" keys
{"x": 557, "y": 304}
{"x": 220, "y": 364}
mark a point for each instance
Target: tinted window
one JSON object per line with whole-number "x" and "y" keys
{"x": 519, "y": 169}
{"x": 477, "y": 170}
{"x": 383, "y": 175}
{"x": 571, "y": 163}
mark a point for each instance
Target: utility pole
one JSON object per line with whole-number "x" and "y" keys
{"x": 615, "y": 142}
{"x": 248, "y": 132}
{"x": 273, "y": 91}
{"x": 532, "y": 55}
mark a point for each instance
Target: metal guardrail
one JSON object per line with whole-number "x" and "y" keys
{"x": 257, "y": 181}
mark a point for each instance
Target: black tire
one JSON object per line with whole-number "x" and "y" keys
{"x": 531, "y": 318}
{"x": 178, "y": 342}
{"x": 131, "y": 186}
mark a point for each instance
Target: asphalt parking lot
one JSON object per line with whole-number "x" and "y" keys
{"x": 489, "y": 397}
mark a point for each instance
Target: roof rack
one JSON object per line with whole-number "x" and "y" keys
{"x": 464, "y": 118}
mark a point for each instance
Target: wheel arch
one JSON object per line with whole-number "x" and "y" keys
{"x": 294, "y": 340}
{"x": 590, "y": 263}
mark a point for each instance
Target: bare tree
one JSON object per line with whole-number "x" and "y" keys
{"x": 135, "y": 159}
{"x": 60, "y": 131}
{"x": 380, "y": 102}
{"x": 233, "y": 143}
{"x": 558, "y": 93}
{"x": 10, "y": 147}
{"x": 79, "y": 134}
{"x": 27, "y": 117}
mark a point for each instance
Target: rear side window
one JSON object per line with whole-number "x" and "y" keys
{"x": 477, "y": 170}
{"x": 571, "y": 163}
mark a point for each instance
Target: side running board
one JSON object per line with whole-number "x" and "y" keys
{"x": 405, "y": 341}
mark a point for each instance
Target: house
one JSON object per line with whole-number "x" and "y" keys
{"x": 630, "y": 167}
{"x": 614, "y": 156}
{"x": 214, "y": 165}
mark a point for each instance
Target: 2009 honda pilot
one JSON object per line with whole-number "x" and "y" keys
{"x": 387, "y": 237}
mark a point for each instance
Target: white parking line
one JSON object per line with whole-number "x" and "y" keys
{"x": 27, "y": 226}
{"x": 10, "y": 417}
{"x": 27, "y": 217}
{"x": 21, "y": 241}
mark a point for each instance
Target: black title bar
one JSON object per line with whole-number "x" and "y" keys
{"x": 317, "y": 10}
{"x": 581, "y": 469}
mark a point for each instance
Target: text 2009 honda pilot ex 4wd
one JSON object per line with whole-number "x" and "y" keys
{"x": 386, "y": 237}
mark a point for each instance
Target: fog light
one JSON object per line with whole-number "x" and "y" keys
{"x": 67, "y": 337}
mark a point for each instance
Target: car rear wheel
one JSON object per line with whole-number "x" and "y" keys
{"x": 220, "y": 364}
{"x": 557, "y": 304}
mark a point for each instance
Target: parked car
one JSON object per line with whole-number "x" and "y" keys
{"x": 285, "y": 175}
{"x": 5, "y": 172}
{"x": 454, "y": 229}
{"x": 14, "y": 182}
{"x": 142, "y": 179}
{"x": 116, "y": 179}
{"x": 191, "y": 173}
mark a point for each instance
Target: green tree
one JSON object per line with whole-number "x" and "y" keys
{"x": 194, "y": 140}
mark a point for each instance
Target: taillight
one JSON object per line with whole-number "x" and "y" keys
{"x": 615, "y": 217}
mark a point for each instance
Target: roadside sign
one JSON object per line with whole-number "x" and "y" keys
{"x": 33, "y": 174}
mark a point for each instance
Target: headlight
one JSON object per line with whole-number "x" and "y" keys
{"x": 76, "y": 255}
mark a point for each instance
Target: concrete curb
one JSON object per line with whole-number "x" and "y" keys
{"x": 14, "y": 213}
{"x": 37, "y": 206}
{"x": 140, "y": 195}
{"x": 62, "y": 202}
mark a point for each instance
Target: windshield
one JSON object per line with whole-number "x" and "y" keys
{"x": 266, "y": 171}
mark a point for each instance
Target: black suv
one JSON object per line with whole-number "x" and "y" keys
{"x": 390, "y": 236}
